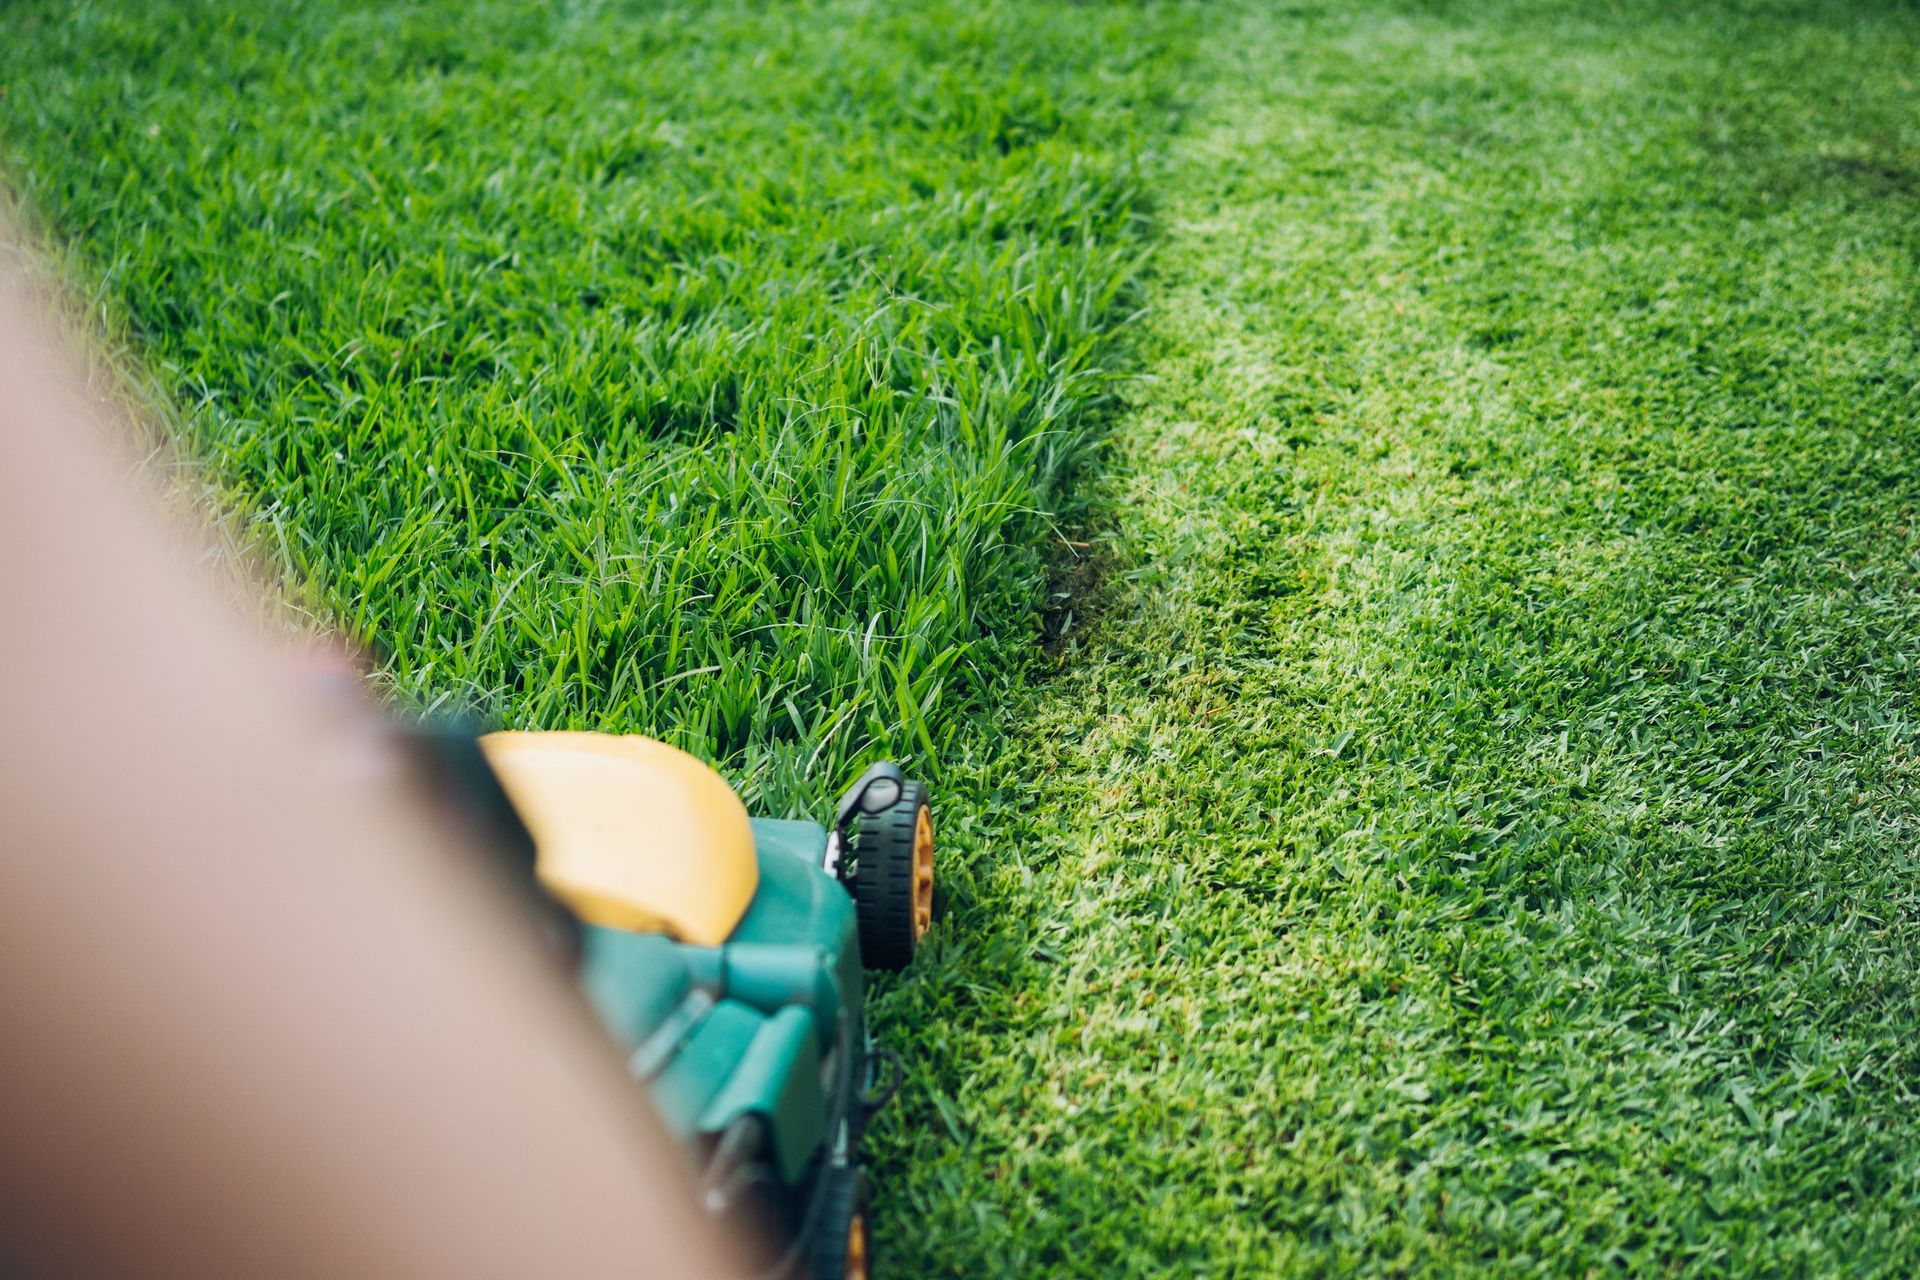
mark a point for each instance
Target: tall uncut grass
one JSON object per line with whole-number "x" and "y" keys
{"x": 709, "y": 372}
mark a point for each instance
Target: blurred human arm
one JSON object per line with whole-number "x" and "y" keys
{"x": 257, "y": 1016}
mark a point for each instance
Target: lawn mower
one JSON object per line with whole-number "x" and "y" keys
{"x": 725, "y": 954}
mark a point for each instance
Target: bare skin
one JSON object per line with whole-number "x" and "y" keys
{"x": 257, "y": 1015}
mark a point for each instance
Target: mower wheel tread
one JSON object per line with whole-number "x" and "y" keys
{"x": 884, "y": 880}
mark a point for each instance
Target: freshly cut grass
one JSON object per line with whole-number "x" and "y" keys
{"x": 1477, "y": 835}
{"x": 709, "y": 371}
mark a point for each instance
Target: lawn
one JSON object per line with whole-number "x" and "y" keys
{"x": 708, "y": 370}
{"x": 1455, "y": 810}
{"x": 1475, "y": 827}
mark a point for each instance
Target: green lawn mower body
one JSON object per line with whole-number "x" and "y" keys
{"x": 725, "y": 955}
{"x": 766, "y": 1030}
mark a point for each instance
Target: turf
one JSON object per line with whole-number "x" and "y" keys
{"x": 1475, "y": 831}
{"x": 708, "y": 370}
{"x": 1462, "y": 818}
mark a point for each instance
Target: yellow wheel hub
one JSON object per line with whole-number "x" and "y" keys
{"x": 922, "y": 873}
{"x": 857, "y": 1247}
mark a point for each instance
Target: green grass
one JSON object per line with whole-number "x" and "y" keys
{"x": 1467, "y": 818}
{"x": 1478, "y": 831}
{"x": 708, "y": 370}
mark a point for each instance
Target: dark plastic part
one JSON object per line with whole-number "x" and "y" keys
{"x": 883, "y": 880}
{"x": 865, "y": 797}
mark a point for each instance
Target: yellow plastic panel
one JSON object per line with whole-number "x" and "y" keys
{"x": 631, "y": 833}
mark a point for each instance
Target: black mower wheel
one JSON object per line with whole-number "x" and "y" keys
{"x": 893, "y": 878}
{"x": 843, "y": 1243}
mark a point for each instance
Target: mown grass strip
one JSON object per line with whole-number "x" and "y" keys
{"x": 1478, "y": 835}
